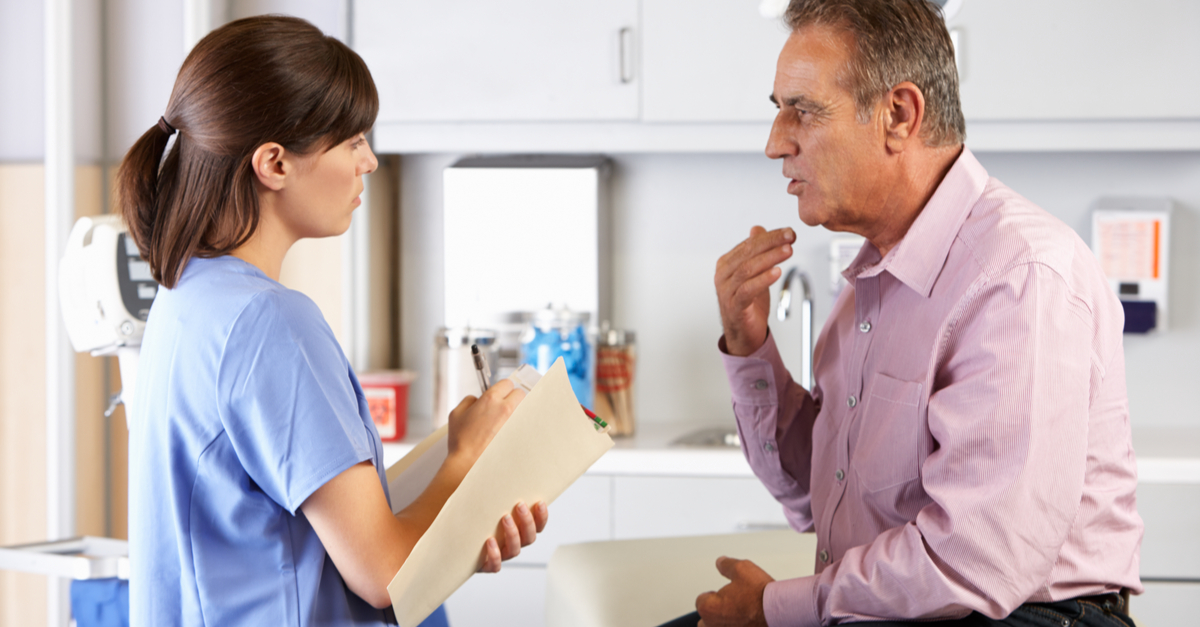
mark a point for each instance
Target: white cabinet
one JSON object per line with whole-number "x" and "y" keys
{"x": 649, "y": 507}
{"x": 481, "y": 61}
{"x": 1031, "y": 60}
{"x": 708, "y": 61}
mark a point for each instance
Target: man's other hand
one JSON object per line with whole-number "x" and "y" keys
{"x": 744, "y": 277}
{"x": 740, "y": 602}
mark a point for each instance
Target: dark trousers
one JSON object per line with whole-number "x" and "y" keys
{"x": 1106, "y": 610}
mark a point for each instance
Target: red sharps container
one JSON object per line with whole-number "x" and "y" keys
{"x": 387, "y": 398}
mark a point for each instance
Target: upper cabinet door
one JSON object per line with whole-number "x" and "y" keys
{"x": 1027, "y": 60}
{"x": 709, "y": 61}
{"x": 488, "y": 61}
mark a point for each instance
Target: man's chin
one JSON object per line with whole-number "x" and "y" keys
{"x": 810, "y": 218}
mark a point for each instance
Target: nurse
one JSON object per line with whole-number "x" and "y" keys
{"x": 257, "y": 486}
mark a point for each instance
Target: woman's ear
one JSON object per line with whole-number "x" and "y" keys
{"x": 270, "y": 165}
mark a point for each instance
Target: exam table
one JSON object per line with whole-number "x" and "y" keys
{"x": 648, "y": 582}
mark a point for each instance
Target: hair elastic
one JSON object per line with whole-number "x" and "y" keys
{"x": 165, "y": 126}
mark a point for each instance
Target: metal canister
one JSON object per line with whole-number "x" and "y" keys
{"x": 454, "y": 370}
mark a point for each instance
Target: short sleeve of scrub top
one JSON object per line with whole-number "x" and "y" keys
{"x": 293, "y": 413}
{"x": 245, "y": 405}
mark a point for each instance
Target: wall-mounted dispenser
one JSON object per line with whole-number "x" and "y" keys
{"x": 1130, "y": 236}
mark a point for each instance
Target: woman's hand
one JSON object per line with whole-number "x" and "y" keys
{"x": 514, "y": 531}
{"x": 475, "y": 422}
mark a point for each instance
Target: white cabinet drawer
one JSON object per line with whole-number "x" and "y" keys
{"x": 514, "y": 596}
{"x": 1171, "y": 546}
{"x": 646, "y": 507}
{"x": 581, "y": 514}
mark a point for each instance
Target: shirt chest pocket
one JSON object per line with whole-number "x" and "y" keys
{"x": 886, "y": 451}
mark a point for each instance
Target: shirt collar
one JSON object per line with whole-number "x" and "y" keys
{"x": 918, "y": 258}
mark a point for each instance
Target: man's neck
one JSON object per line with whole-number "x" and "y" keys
{"x": 918, "y": 179}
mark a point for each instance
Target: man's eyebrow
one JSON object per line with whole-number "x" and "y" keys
{"x": 801, "y": 102}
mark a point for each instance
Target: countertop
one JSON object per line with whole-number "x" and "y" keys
{"x": 1164, "y": 454}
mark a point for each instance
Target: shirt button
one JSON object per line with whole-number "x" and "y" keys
{"x": 768, "y": 447}
{"x": 852, "y": 401}
{"x": 839, "y": 474}
{"x": 824, "y": 555}
{"x": 761, "y": 384}
{"x": 865, "y": 326}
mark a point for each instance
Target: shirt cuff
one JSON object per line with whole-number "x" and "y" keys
{"x": 791, "y": 603}
{"x": 757, "y": 378}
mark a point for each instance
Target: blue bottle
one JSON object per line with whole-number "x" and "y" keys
{"x": 552, "y": 333}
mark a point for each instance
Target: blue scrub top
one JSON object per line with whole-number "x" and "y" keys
{"x": 244, "y": 406}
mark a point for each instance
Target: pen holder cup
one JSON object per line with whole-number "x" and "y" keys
{"x": 616, "y": 365}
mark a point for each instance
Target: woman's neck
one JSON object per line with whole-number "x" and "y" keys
{"x": 267, "y": 247}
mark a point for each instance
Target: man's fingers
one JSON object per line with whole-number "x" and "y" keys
{"x": 755, "y": 245}
{"x": 727, "y": 566}
{"x": 752, "y": 289}
{"x": 705, "y": 602}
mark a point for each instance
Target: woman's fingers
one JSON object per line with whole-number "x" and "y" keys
{"x": 526, "y": 525}
{"x": 512, "y": 538}
{"x": 541, "y": 514}
{"x": 490, "y": 558}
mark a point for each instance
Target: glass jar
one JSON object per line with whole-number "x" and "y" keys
{"x": 551, "y": 333}
{"x": 616, "y": 366}
{"x": 454, "y": 370}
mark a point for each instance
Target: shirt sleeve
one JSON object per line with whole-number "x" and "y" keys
{"x": 288, "y": 403}
{"x": 1009, "y": 413}
{"x": 775, "y": 417}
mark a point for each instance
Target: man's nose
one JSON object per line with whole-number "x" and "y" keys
{"x": 779, "y": 142}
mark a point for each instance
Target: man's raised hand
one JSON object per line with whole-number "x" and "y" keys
{"x": 743, "y": 280}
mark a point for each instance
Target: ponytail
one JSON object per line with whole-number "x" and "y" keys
{"x": 137, "y": 188}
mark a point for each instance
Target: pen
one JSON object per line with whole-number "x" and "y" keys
{"x": 481, "y": 369}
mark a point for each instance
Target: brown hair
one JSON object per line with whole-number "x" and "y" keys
{"x": 261, "y": 79}
{"x": 895, "y": 41}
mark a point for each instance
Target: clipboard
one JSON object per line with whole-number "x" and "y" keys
{"x": 545, "y": 445}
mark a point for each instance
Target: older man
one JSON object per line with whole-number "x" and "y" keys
{"x": 964, "y": 455}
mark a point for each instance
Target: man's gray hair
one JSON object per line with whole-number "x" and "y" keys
{"x": 895, "y": 41}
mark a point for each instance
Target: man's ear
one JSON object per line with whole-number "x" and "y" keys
{"x": 904, "y": 113}
{"x": 271, "y": 165}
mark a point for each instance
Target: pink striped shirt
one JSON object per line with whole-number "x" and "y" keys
{"x": 966, "y": 445}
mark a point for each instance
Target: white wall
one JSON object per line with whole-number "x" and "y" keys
{"x": 674, "y": 215}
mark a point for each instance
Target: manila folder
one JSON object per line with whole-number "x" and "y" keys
{"x": 546, "y": 445}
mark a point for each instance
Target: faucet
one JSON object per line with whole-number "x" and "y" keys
{"x": 806, "y": 321}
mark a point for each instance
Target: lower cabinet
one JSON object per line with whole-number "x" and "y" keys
{"x": 620, "y": 507}
{"x": 606, "y": 507}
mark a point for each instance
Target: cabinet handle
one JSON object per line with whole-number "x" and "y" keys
{"x": 625, "y": 37}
